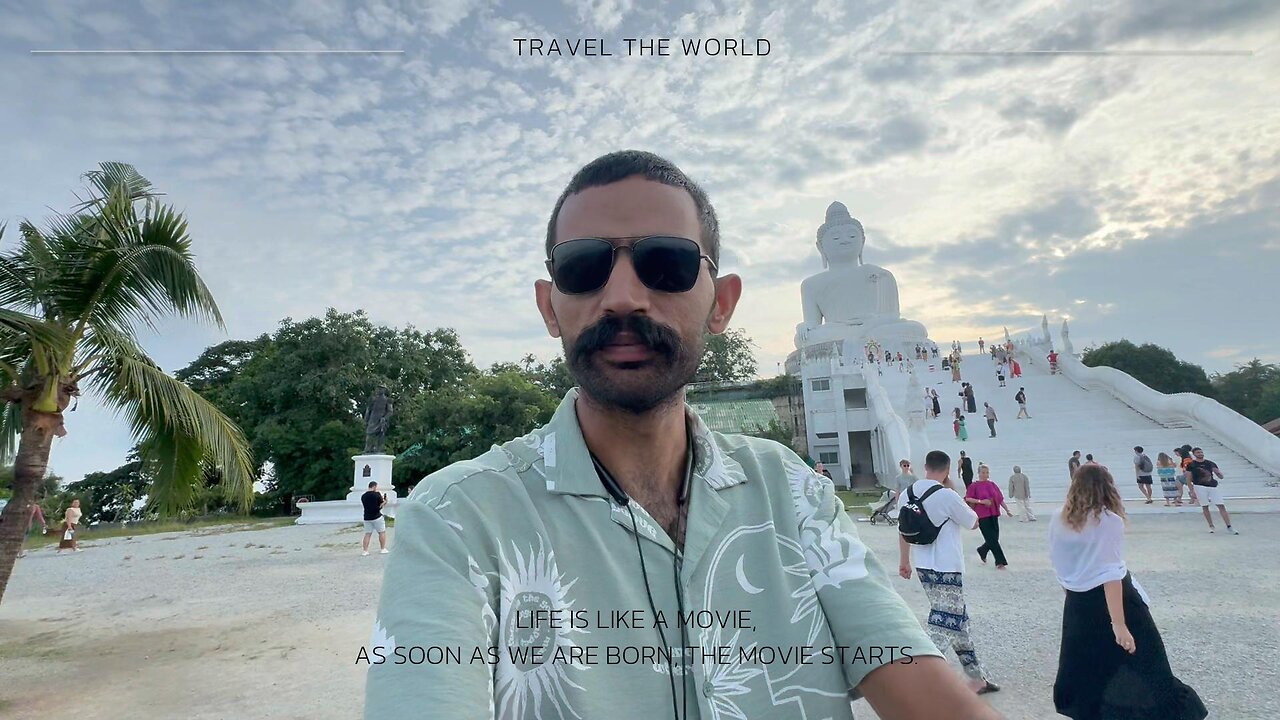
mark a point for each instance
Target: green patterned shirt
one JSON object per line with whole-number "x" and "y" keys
{"x": 514, "y": 590}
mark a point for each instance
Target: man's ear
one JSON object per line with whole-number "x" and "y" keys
{"x": 728, "y": 291}
{"x": 542, "y": 295}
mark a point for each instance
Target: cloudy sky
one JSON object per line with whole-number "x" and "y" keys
{"x": 1138, "y": 194}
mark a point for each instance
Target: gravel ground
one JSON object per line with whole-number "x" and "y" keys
{"x": 266, "y": 623}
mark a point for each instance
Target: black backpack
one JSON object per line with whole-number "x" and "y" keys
{"x": 913, "y": 520}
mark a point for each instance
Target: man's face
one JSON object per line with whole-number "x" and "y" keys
{"x": 1199, "y": 454}
{"x": 629, "y": 347}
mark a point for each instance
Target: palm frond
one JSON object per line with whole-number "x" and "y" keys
{"x": 14, "y": 323}
{"x": 179, "y": 430}
{"x": 10, "y": 430}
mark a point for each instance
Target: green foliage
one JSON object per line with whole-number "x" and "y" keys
{"x": 728, "y": 358}
{"x": 74, "y": 294}
{"x": 465, "y": 420}
{"x": 300, "y": 393}
{"x": 1252, "y": 389}
{"x": 108, "y": 496}
{"x": 775, "y": 431}
{"x": 553, "y": 377}
{"x": 1152, "y": 365}
{"x": 48, "y": 487}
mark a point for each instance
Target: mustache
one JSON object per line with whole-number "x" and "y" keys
{"x": 657, "y": 337}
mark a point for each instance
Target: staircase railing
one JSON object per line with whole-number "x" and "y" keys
{"x": 1216, "y": 420}
{"x": 892, "y": 428}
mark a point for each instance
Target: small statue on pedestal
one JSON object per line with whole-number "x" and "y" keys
{"x": 377, "y": 418}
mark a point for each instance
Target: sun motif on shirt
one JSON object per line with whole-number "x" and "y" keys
{"x": 531, "y": 582}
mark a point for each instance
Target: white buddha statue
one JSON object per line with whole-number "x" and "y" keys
{"x": 851, "y": 301}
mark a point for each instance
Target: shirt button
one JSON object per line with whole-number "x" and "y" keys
{"x": 708, "y": 689}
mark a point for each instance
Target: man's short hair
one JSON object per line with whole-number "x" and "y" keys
{"x": 1137, "y": 448}
{"x": 1017, "y": 469}
{"x": 1076, "y": 452}
{"x": 1196, "y": 450}
{"x": 618, "y": 166}
{"x": 373, "y": 483}
{"x": 937, "y": 461}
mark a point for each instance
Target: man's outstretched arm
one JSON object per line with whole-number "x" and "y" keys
{"x": 433, "y": 596}
{"x": 922, "y": 689}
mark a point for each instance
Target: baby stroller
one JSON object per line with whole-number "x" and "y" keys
{"x": 882, "y": 512}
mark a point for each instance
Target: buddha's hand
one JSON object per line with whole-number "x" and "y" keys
{"x": 802, "y": 333}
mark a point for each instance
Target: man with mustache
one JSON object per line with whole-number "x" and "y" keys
{"x": 711, "y": 546}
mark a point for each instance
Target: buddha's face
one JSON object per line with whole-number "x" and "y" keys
{"x": 842, "y": 244}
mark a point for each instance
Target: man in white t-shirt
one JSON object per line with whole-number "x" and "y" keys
{"x": 940, "y": 566}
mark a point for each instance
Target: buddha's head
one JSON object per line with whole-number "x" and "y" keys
{"x": 841, "y": 238}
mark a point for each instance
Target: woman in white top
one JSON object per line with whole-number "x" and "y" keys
{"x": 1115, "y": 670}
{"x": 69, "y": 523}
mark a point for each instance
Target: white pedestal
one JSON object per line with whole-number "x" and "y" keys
{"x": 368, "y": 468}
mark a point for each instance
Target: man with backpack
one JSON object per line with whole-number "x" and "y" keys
{"x": 1143, "y": 467}
{"x": 930, "y": 516}
{"x": 1021, "y": 399}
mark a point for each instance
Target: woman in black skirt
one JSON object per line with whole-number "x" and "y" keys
{"x": 1116, "y": 670}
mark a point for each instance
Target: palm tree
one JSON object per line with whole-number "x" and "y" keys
{"x": 71, "y": 300}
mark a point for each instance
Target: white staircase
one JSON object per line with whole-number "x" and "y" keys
{"x": 1066, "y": 417}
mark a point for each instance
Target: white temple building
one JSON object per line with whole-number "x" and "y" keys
{"x": 864, "y": 414}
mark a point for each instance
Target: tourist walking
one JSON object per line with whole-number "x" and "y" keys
{"x": 905, "y": 478}
{"x": 937, "y": 404}
{"x": 1142, "y": 467}
{"x": 1000, "y": 374}
{"x": 35, "y": 514}
{"x": 970, "y": 402}
{"x": 938, "y": 513}
{"x": 1073, "y": 464}
{"x": 1184, "y": 478}
{"x": 1021, "y": 398}
{"x": 1020, "y": 491}
{"x": 1112, "y": 661}
{"x": 955, "y": 368}
{"x": 981, "y": 344}
{"x": 956, "y": 421}
{"x": 962, "y": 430}
{"x": 70, "y": 525}
{"x": 966, "y": 467}
{"x": 987, "y": 500}
{"x": 991, "y": 418}
{"x": 1167, "y": 471}
{"x": 1053, "y": 362}
{"x": 1015, "y": 369}
{"x": 1205, "y": 476}
{"x": 374, "y": 522}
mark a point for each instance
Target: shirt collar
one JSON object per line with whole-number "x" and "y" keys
{"x": 567, "y": 467}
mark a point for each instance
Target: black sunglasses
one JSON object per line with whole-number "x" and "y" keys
{"x": 662, "y": 262}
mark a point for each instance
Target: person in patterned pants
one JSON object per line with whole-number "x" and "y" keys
{"x": 948, "y": 621}
{"x": 940, "y": 563}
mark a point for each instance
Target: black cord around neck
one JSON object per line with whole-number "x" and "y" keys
{"x": 653, "y": 608}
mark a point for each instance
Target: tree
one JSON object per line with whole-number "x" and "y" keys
{"x": 553, "y": 377}
{"x": 465, "y": 420}
{"x": 110, "y": 496}
{"x": 50, "y": 485}
{"x": 1252, "y": 389}
{"x": 728, "y": 358}
{"x": 71, "y": 299}
{"x": 1152, "y": 365}
{"x": 775, "y": 431}
{"x": 300, "y": 393}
